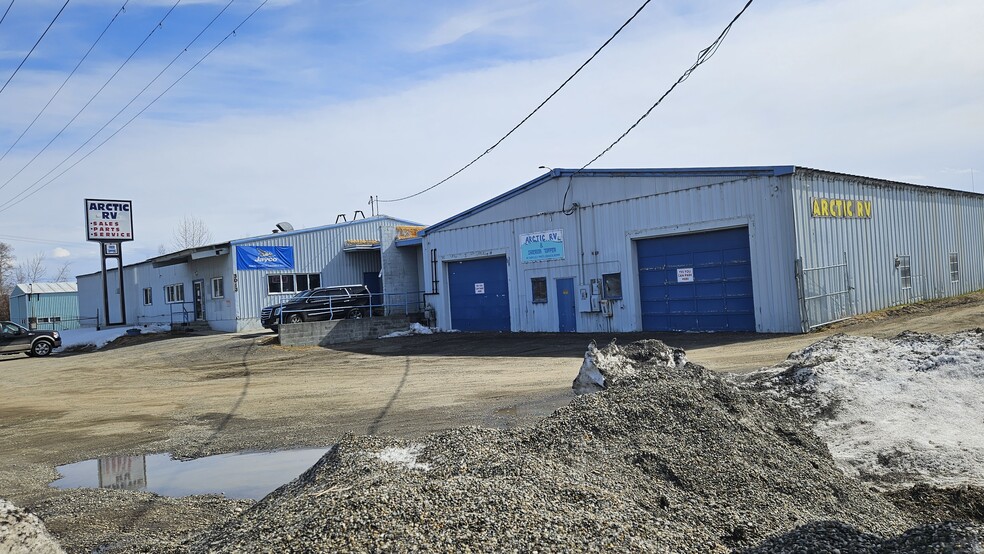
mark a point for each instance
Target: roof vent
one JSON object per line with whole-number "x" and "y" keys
{"x": 283, "y": 227}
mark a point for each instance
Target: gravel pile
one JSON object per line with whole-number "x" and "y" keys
{"x": 834, "y": 536}
{"x": 667, "y": 458}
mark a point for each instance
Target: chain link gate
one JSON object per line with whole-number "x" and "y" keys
{"x": 824, "y": 293}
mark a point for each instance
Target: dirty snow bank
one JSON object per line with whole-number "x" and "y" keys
{"x": 668, "y": 458}
{"x": 23, "y": 532}
{"x": 902, "y": 410}
{"x": 90, "y": 336}
{"x": 415, "y": 329}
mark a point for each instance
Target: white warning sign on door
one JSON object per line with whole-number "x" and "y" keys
{"x": 685, "y": 275}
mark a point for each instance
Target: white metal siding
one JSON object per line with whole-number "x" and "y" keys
{"x": 611, "y": 217}
{"x": 924, "y": 223}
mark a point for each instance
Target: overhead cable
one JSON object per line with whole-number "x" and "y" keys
{"x": 517, "y": 126}
{"x": 53, "y": 96}
{"x": 138, "y": 95}
{"x": 35, "y": 44}
{"x": 98, "y": 92}
{"x": 24, "y": 195}
{"x": 5, "y": 12}
{"x": 702, "y": 57}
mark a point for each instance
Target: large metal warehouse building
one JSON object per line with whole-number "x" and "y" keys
{"x": 768, "y": 249}
{"x": 52, "y": 306}
{"x": 227, "y": 284}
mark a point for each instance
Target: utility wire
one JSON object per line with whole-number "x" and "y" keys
{"x": 65, "y": 82}
{"x": 517, "y": 126}
{"x": 138, "y": 95}
{"x": 24, "y": 195}
{"x": 11, "y": 5}
{"x": 702, "y": 57}
{"x": 98, "y": 92}
{"x": 35, "y": 44}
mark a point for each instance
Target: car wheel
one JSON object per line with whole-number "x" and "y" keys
{"x": 295, "y": 318}
{"x": 355, "y": 313}
{"x": 41, "y": 348}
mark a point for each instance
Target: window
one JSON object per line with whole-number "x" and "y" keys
{"x": 148, "y": 296}
{"x": 292, "y": 282}
{"x": 539, "y": 289}
{"x": 612, "y": 283}
{"x": 905, "y": 271}
{"x": 954, "y": 267}
{"x": 174, "y": 294}
{"x": 218, "y": 287}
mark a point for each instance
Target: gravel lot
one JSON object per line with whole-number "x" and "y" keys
{"x": 198, "y": 395}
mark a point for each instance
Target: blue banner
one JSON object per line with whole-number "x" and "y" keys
{"x": 264, "y": 257}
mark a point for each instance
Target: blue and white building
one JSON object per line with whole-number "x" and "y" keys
{"x": 227, "y": 284}
{"x": 778, "y": 249}
{"x": 52, "y": 306}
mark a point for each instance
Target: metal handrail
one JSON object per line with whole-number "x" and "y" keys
{"x": 386, "y": 303}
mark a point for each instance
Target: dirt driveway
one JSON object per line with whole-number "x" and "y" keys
{"x": 198, "y": 395}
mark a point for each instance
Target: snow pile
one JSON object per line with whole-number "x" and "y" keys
{"x": 405, "y": 456}
{"x": 415, "y": 329}
{"x": 23, "y": 532}
{"x": 602, "y": 368}
{"x": 90, "y": 336}
{"x": 902, "y": 410}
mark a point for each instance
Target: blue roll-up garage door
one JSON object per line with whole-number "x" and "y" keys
{"x": 479, "y": 295}
{"x": 697, "y": 282}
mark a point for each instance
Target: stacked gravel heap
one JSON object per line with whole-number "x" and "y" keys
{"x": 667, "y": 458}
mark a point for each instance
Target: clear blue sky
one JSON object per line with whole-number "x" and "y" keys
{"x": 315, "y": 105}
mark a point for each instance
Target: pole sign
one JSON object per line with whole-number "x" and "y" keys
{"x": 109, "y": 220}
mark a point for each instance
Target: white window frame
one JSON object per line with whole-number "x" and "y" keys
{"x": 221, "y": 287}
{"x": 905, "y": 270}
{"x": 148, "y": 296}
{"x": 954, "y": 267}
{"x": 174, "y": 294}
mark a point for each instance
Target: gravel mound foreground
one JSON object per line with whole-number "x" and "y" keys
{"x": 667, "y": 458}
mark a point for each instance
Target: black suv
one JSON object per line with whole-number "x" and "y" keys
{"x": 351, "y": 301}
{"x": 15, "y": 339}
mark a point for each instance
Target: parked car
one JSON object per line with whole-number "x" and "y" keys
{"x": 15, "y": 339}
{"x": 344, "y": 301}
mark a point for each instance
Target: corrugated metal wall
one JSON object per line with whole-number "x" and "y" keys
{"x": 599, "y": 238}
{"x": 63, "y": 305}
{"x": 318, "y": 251}
{"x": 923, "y": 223}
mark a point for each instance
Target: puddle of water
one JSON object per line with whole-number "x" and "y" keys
{"x": 243, "y": 475}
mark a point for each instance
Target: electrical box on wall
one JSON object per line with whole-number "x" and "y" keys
{"x": 583, "y": 299}
{"x": 606, "y": 308}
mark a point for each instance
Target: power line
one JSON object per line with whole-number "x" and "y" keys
{"x": 14, "y": 201}
{"x": 35, "y": 44}
{"x": 76, "y": 68}
{"x": 138, "y": 95}
{"x": 98, "y": 92}
{"x": 11, "y": 5}
{"x": 702, "y": 57}
{"x": 517, "y": 126}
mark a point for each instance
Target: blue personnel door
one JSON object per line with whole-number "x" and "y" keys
{"x": 479, "y": 294}
{"x": 697, "y": 282}
{"x": 566, "y": 310}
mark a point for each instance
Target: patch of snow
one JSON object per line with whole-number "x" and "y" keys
{"x": 404, "y": 456}
{"x": 415, "y": 329}
{"x": 899, "y": 410}
{"x": 90, "y": 336}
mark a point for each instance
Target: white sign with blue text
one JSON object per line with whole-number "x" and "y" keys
{"x": 538, "y": 247}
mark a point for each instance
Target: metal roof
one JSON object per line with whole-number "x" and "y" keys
{"x": 322, "y": 228}
{"x": 44, "y": 288}
{"x": 773, "y": 170}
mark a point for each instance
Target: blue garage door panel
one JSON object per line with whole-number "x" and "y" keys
{"x": 479, "y": 292}
{"x": 720, "y": 296}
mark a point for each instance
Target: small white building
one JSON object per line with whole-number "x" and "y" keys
{"x": 776, "y": 249}
{"x": 227, "y": 284}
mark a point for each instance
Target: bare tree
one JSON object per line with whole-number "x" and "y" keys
{"x": 62, "y": 274}
{"x": 161, "y": 249}
{"x": 191, "y": 232}
{"x": 32, "y": 271}
{"x": 7, "y": 264}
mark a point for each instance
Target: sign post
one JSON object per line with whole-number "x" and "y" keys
{"x": 110, "y": 222}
